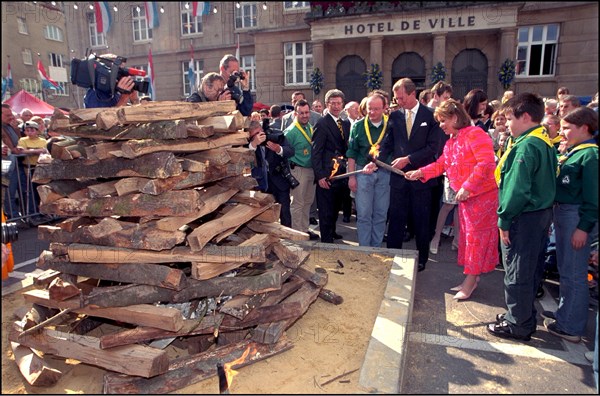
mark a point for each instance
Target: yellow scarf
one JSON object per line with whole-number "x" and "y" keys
{"x": 581, "y": 146}
{"x": 308, "y": 139}
{"x": 385, "y": 121}
{"x": 538, "y": 132}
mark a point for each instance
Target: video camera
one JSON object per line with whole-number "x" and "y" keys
{"x": 276, "y": 136}
{"x": 103, "y": 74}
{"x": 236, "y": 92}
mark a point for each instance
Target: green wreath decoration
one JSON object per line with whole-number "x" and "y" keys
{"x": 374, "y": 77}
{"x": 506, "y": 74}
{"x": 438, "y": 73}
{"x": 316, "y": 80}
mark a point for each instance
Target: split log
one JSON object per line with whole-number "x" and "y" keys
{"x": 144, "y": 315}
{"x": 225, "y": 123}
{"x": 190, "y": 370}
{"x": 240, "y": 181}
{"x": 270, "y": 215}
{"x": 103, "y": 150}
{"x": 173, "y": 110}
{"x": 278, "y": 230}
{"x": 132, "y": 359}
{"x": 68, "y": 149}
{"x": 170, "y": 203}
{"x": 230, "y": 286}
{"x": 218, "y": 156}
{"x": 234, "y": 218}
{"x": 33, "y": 367}
{"x": 61, "y": 290}
{"x": 253, "y": 198}
{"x": 136, "y": 148}
{"x": 154, "y": 130}
{"x": 57, "y": 189}
{"x": 157, "y": 165}
{"x": 46, "y": 277}
{"x": 143, "y": 274}
{"x": 82, "y": 253}
{"x": 87, "y": 115}
{"x": 200, "y": 131}
{"x": 290, "y": 256}
{"x": 72, "y": 223}
{"x": 130, "y": 235}
{"x": 123, "y": 296}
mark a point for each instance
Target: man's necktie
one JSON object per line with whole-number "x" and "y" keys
{"x": 408, "y": 122}
{"x": 339, "y": 122}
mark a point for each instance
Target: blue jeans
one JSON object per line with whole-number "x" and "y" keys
{"x": 528, "y": 233}
{"x": 372, "y": 201}
{"x": 572, "y": 312}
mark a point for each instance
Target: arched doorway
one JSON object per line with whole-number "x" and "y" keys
{"x": 409, "y": 65}
{"x": 349, "y": 78}
{"x": 469, "y": 71}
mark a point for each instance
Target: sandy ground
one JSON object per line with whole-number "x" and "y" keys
{"x": 329, "y": 340}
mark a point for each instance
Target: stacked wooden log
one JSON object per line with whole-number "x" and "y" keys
{"x": 163, "y": 236}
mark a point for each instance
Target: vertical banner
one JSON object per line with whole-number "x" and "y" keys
{"x": 151, "y": 14}
{"x": 103, "y": 18}
{"x": 151, "y": 75}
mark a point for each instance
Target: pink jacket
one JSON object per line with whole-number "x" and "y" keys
{"x": 468, "y": 160}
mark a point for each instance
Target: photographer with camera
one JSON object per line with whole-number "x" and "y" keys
{"x": 109, "y": 82}
{"x": 212, "y": 89}
{"x": 272, "y": 170}
{"x": 229, "y": 67}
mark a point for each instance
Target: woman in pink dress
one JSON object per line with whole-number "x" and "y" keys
{"x": 469, "y": 163}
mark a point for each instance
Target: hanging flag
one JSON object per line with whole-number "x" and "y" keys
{"x": 4, "y": 84}
{"x": 151, "y": 14}
{"x": 47, "y": 82}
{"x": 9, "y": 79}
{"x": 152, "y": 91}
{"x": 200, "y": 8}
{"x": 103, "y": 18}
{"x": 191, "y": 72}
{"x": 237, "y": 49}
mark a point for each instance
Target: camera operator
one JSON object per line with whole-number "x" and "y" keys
{"x": 212, "y": 89}
{"x": 124, "y": 92}
{"x": 272, "y": 171}
{"x": 229, "y": 68}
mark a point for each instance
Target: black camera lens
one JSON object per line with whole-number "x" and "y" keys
{"x": 10, "y": 233}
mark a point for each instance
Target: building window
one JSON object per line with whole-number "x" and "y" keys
{"x": 52, "y": 32}
{"x": 295, "y": 5}
{"x": 141, "y": 31}
{"x": 248, "y": 64}
{"x": 96, "y": 39}
{"x": 27, "y": 59}
{"x": 31, "y": 85}
{"x": 56, "y": 60}
{"x": 199, "y": 71}
{"x": 22, "y": 26}
{"x": 298, "y": 63}
{"x": 189, "y": 24}
{"x": 245, "y": 16}
{"x": 537, "y": 49}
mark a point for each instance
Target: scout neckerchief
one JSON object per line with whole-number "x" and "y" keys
{"x": 368, "y": 132}
{"x": 538, "y": 132}
{"x": 556, "y": 140}
{"x": 583, "y": 145}
{"x": 308, "y": 139}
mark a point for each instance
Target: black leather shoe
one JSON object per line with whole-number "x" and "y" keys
{"x": 313, "y": 221}
{"x": 337, "y": 236}
{"x": 504, "y": 330}
{"x": 421, "y": 267}
{"x": 312, "y": 236}
{"x": 346, "y": 219}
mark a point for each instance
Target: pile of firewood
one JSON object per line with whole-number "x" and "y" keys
{"x": 163, "y": 238}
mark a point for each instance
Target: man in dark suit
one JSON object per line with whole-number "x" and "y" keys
{"x": 270, "y": 161}
{"x": 413, "y": 140}
{"x": 330, "y": 140}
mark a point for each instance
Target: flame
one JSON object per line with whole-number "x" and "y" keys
{"x": 336, "y": 165}
{"x": 374, "y": 151}
{"x": 229, "y": 372}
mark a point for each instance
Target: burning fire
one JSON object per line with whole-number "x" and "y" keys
{"x": 336, "y": 165}
{"x": 229, "y": 372}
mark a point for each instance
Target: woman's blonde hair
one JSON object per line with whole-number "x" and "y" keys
{"x": 450, "y": 108}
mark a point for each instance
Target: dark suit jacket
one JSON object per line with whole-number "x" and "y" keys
{"x": 423, "y": 147}
{"x": 327, "y": 144}
{"x": 276, "y": 180}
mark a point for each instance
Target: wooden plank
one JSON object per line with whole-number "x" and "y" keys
{"x": 130, "y": 235}
{"x": 170, "y": 203}
{"x": 253, "y": 198}
{"x": 173, "y": 110}
{"x": 34, "y": 368}
{"x": 169, "y": 319}
{"x": 82, "y": 253}
{"x": 131, "y": 359}
{"x": 278, "y": 230}
{"x": 234, "y": 218}
{"x": 144, "y": 274}
{"x": 136, "y": 148}
{"x": 186, "y": 371}
{"x": 157, "y": 165}
{"x": 154, "y": 130}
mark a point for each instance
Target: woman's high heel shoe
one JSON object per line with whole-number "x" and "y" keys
{"x": 459, "y": 287}
{"x": 462, "y": 295}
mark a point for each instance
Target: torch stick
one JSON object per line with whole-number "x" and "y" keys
{"x": 383, "y": 165}
{"x": 344, "y": 175}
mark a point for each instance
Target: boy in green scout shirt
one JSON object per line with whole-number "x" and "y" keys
{"x": 575, "y": 222}
{"x": 526, "y": 176}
